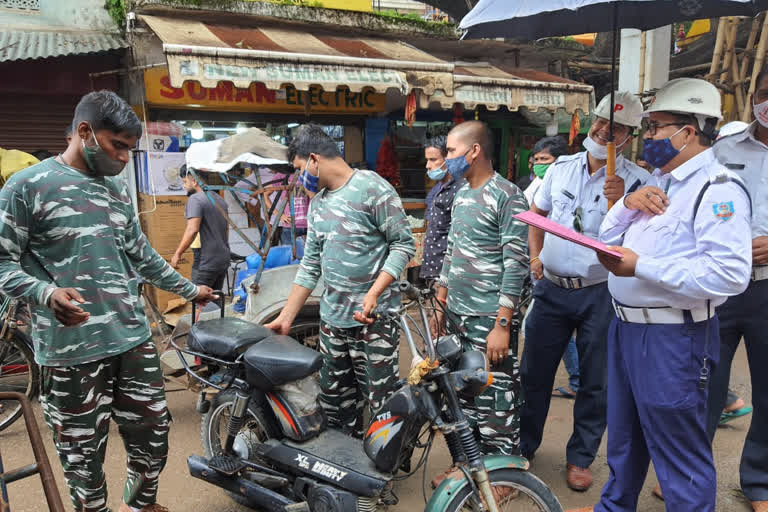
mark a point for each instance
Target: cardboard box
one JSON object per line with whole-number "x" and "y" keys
{"x": 162, "y": 298}
{"x": 162, "y": 220}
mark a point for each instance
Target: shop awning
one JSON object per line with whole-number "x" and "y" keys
{"x": 484, "y": 84}
{"x": 211, "y": 53}
{"x": 38, "y": 44}
{"x": 275, "y": 56}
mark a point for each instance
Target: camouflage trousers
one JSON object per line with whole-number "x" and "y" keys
{"x": 78, "y": 402}
{"x": 495, "y": 414}
{"x": 360, "y": 364}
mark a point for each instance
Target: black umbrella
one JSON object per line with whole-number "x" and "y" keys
{"x": 533, "y": 19}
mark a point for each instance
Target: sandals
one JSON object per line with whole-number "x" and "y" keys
{"x": 725, "y": 417}
{"x": 564, "y": 392}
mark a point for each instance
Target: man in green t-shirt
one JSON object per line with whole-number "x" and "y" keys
{"x": 358, "y": 238}
{"x": 71, "y": 247}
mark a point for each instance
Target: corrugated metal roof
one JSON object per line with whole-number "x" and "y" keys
{"x": 34, "y": 44}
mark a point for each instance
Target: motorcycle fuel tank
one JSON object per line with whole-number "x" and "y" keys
{"x": 393, "y": 428}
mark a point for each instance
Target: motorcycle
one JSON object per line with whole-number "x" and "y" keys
{"x": 267, "y": 442}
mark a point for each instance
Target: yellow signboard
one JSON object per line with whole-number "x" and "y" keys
{"x": 257, "y": 98}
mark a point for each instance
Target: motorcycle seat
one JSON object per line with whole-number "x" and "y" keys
{"x": 225, "y": 338}
{"x": 279, "y": 360}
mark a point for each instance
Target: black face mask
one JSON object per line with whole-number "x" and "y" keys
{"x": 97, "y": 160}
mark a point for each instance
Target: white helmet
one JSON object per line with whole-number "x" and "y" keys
{"x": 731, "y": 128}
{"x": 627, "y": 109}
{"x": 688, "y": 96}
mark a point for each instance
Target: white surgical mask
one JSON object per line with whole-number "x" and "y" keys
{"x": 598, "y": 150}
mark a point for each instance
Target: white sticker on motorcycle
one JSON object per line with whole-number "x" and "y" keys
{"x": 328, "y": 471}
{"x": 303, "y": 461}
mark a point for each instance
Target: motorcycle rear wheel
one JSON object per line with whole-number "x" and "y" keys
{"x": 534, "y": 495}
{"x": 256, "y": 429}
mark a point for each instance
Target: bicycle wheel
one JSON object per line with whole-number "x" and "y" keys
{"x": 18, "y": 372}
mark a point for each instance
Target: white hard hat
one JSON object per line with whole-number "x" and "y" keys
{"x": 688, "y": 96}
{"x": 731, "y": 128}
{"x": 627, "y": 109}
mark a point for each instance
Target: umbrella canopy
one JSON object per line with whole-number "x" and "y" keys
{"x": 533, "y": 19}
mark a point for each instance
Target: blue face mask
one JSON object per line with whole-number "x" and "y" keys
{"x": 458, "y": 166}
{"x": 660, "y": 152}
{"x": 310, "y": 182}
{"x": 437, "y": 174}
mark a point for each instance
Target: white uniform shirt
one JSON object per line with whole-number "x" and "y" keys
{"x": 568, "y": 185}
{"x": 748, "y": 158}
{"x": 531, "y": 189}
{"x": 684, "y": 261}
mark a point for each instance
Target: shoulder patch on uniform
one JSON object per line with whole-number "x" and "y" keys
{"x": 724, "y": 210}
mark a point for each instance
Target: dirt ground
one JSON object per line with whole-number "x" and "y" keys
{"x": 180, "y": 492}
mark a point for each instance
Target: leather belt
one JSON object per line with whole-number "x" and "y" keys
{"x": 760, "y": 273}
{"x": 658, "y": 315}
{"x": 572, "y": 283}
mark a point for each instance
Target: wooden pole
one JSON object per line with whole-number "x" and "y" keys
{"x": 738, "y": 91}
{"x": 718, "y": 46}
{"x": 759, "y": 59}
{"x": 730, "y": 44}
{"x": 748, "y": 50}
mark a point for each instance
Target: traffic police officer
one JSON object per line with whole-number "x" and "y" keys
{"x": 746, "y": 153}
{"x": 685, "y": 251}
{"x": 572, "y": 290}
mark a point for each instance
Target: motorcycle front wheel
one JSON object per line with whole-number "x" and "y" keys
{"x": 255, "y": 430}
{"x": 515, "y": 490}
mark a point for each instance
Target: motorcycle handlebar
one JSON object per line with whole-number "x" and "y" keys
{"x": 408, "y": 290}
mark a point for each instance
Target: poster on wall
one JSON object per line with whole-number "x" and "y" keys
{"x": 158, "y": 173}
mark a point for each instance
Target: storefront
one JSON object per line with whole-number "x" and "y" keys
{"x": 274, "y": 75}
{"x": 216, "y": 112}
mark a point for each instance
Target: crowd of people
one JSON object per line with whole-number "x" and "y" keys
{"x": 655, "y": 331}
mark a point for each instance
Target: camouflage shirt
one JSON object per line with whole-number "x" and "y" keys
{"x": 62, "y": 228}
{"x": 354, "y": 233}
{"x": 487, "y": 257}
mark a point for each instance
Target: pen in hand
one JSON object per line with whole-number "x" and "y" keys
{"x": 666, "y": 187}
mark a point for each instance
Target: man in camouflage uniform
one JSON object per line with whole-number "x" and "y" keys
{"x": 482, "y": 278}
{"x": 70, "y": 245}
{"x": 359, "y": 240}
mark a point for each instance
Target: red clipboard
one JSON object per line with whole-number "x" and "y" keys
{"x": 552, "y": 227}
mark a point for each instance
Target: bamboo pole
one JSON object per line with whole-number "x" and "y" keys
{"x": 759, "y": 59}
{"x": 730, "y": 48}
{"x": 748, "y": 49}
{"x": 738, "y": 91}
{"x": 718, "y": 46}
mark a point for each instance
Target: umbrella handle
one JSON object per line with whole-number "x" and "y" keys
{"x": 610, "y": 164}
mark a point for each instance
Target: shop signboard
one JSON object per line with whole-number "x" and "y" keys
{"x": 258, "y": 98}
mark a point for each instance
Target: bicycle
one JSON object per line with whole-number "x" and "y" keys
{"x": 18, "y": 370}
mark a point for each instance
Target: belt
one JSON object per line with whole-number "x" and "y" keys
{"x": 658, "y": 315}
{"x": 572, "y": 283}
{"x": 760, "y": 273}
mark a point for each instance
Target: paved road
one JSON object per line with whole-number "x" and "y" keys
{"x": 180, "y": 492}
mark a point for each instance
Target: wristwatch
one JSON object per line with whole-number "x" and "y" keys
{"x": 504, "y": 322}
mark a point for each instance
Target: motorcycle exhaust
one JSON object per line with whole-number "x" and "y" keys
{"x": 254, "y": 493}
